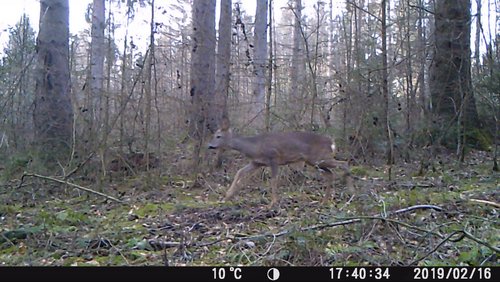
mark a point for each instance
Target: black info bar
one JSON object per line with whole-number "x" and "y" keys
{"x": 235, "y": 273}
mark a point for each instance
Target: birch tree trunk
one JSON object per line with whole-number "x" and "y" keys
{"x": 271, "y": 68}
{"x": 150, "y": 61}
{"x": 477, "y": 38}
{"x": 96, "y": 75}
{"x": 260, "y": 62}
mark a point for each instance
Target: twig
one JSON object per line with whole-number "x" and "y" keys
{"x": 486, "y": 202}
{"x": 71, "y": 184}
{"x": 358, "y": 219}
{"x": 347, "y": 203}
{"x": 81, "y": 164}
{"x": 486, "y": 244}
{"x": 364, "y": 10}
{"x": 437, "y": 247}
{"x": 7, "y": 239}
{"x": 404, "y": 224}
{"x": 205, "y": 244}
{"x": 422, "y": 8}
{"x": 270, "y": 246}
{"x": 120, "y": 252}
{"x": 331, "y": 224}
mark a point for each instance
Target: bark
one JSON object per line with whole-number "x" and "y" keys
{"x": 96, "y": 78}
{"x": 422, "y": 57}
{"x": 223, "y": 59}
{"x": 150, "y": 61}
{"x": 410, "y": 88}
{"x": 260, "y": 62}
{"x": 203, "y": 116}
{"x": 202, "y": 78}
{"x": 477, "y": 38}
{"x": 385, "y": 86}
{"x": 296, "y": 72}
{"x": 450, "y": 81}
{"x": 53, "y": 111}
{"x": 271, "y": 67}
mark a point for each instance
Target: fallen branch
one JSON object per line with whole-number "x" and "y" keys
{"x": 70, "y": 184}
{"x": 314, "y": 227}
{"x": 350, "y": 221}
{"x": 206, "y": 244}
{"x": 415, "y": 208}
{"x": 461, "y": 235}
{"x": 160, "y": 245}
{"x": 360, "y": 218}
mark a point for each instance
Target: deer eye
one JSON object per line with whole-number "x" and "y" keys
{"x": 218, "y": 136}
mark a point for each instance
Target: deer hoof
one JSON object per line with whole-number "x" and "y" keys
{"x": 273, "y": 205}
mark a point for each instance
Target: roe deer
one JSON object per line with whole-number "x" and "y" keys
{"x": 280, "y": 148}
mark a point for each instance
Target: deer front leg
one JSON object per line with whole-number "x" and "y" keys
{"x": 219, "y": 158}
{"x": 241, "y": 173}
{"x": 345, "y": 167}
{"x": 330, "y": 177}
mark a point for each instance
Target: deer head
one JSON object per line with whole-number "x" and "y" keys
{"x": 222, "y": 136}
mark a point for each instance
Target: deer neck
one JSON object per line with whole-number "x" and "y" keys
{"x": 245, "y": 146}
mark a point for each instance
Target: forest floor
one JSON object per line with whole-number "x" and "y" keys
{"x": 447, "y": 216}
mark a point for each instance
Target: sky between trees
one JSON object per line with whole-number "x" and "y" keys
{"x": 11, "y": 15}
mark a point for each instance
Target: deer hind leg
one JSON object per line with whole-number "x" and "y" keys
{"x": 249, "y": 168}
{"x": 274, "y": 186}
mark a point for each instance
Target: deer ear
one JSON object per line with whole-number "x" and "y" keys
{"x": 224, "y": 124}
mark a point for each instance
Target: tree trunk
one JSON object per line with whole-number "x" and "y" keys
{"x": 450, "y": 82}
{"x": 202, "y": 68}
{"x": 477, "y": 38}
{"x": 348, "y": 35}
{"x": 104, "y": 123}
{"x": 223, "y": 59}
{"x": 260, "y": 62}
{"x": 150, "y": 61}
{"x": 297, "y": 69}
{"x": 385, "y": 87}
{"x": 422, "y": 57}
{"x": 271, "y": 67}
{"x": 203, "y": 117}
{"x": 410, "y": 88}
{"x": 96, "y": 74}
{"x": 53, "y": 111}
